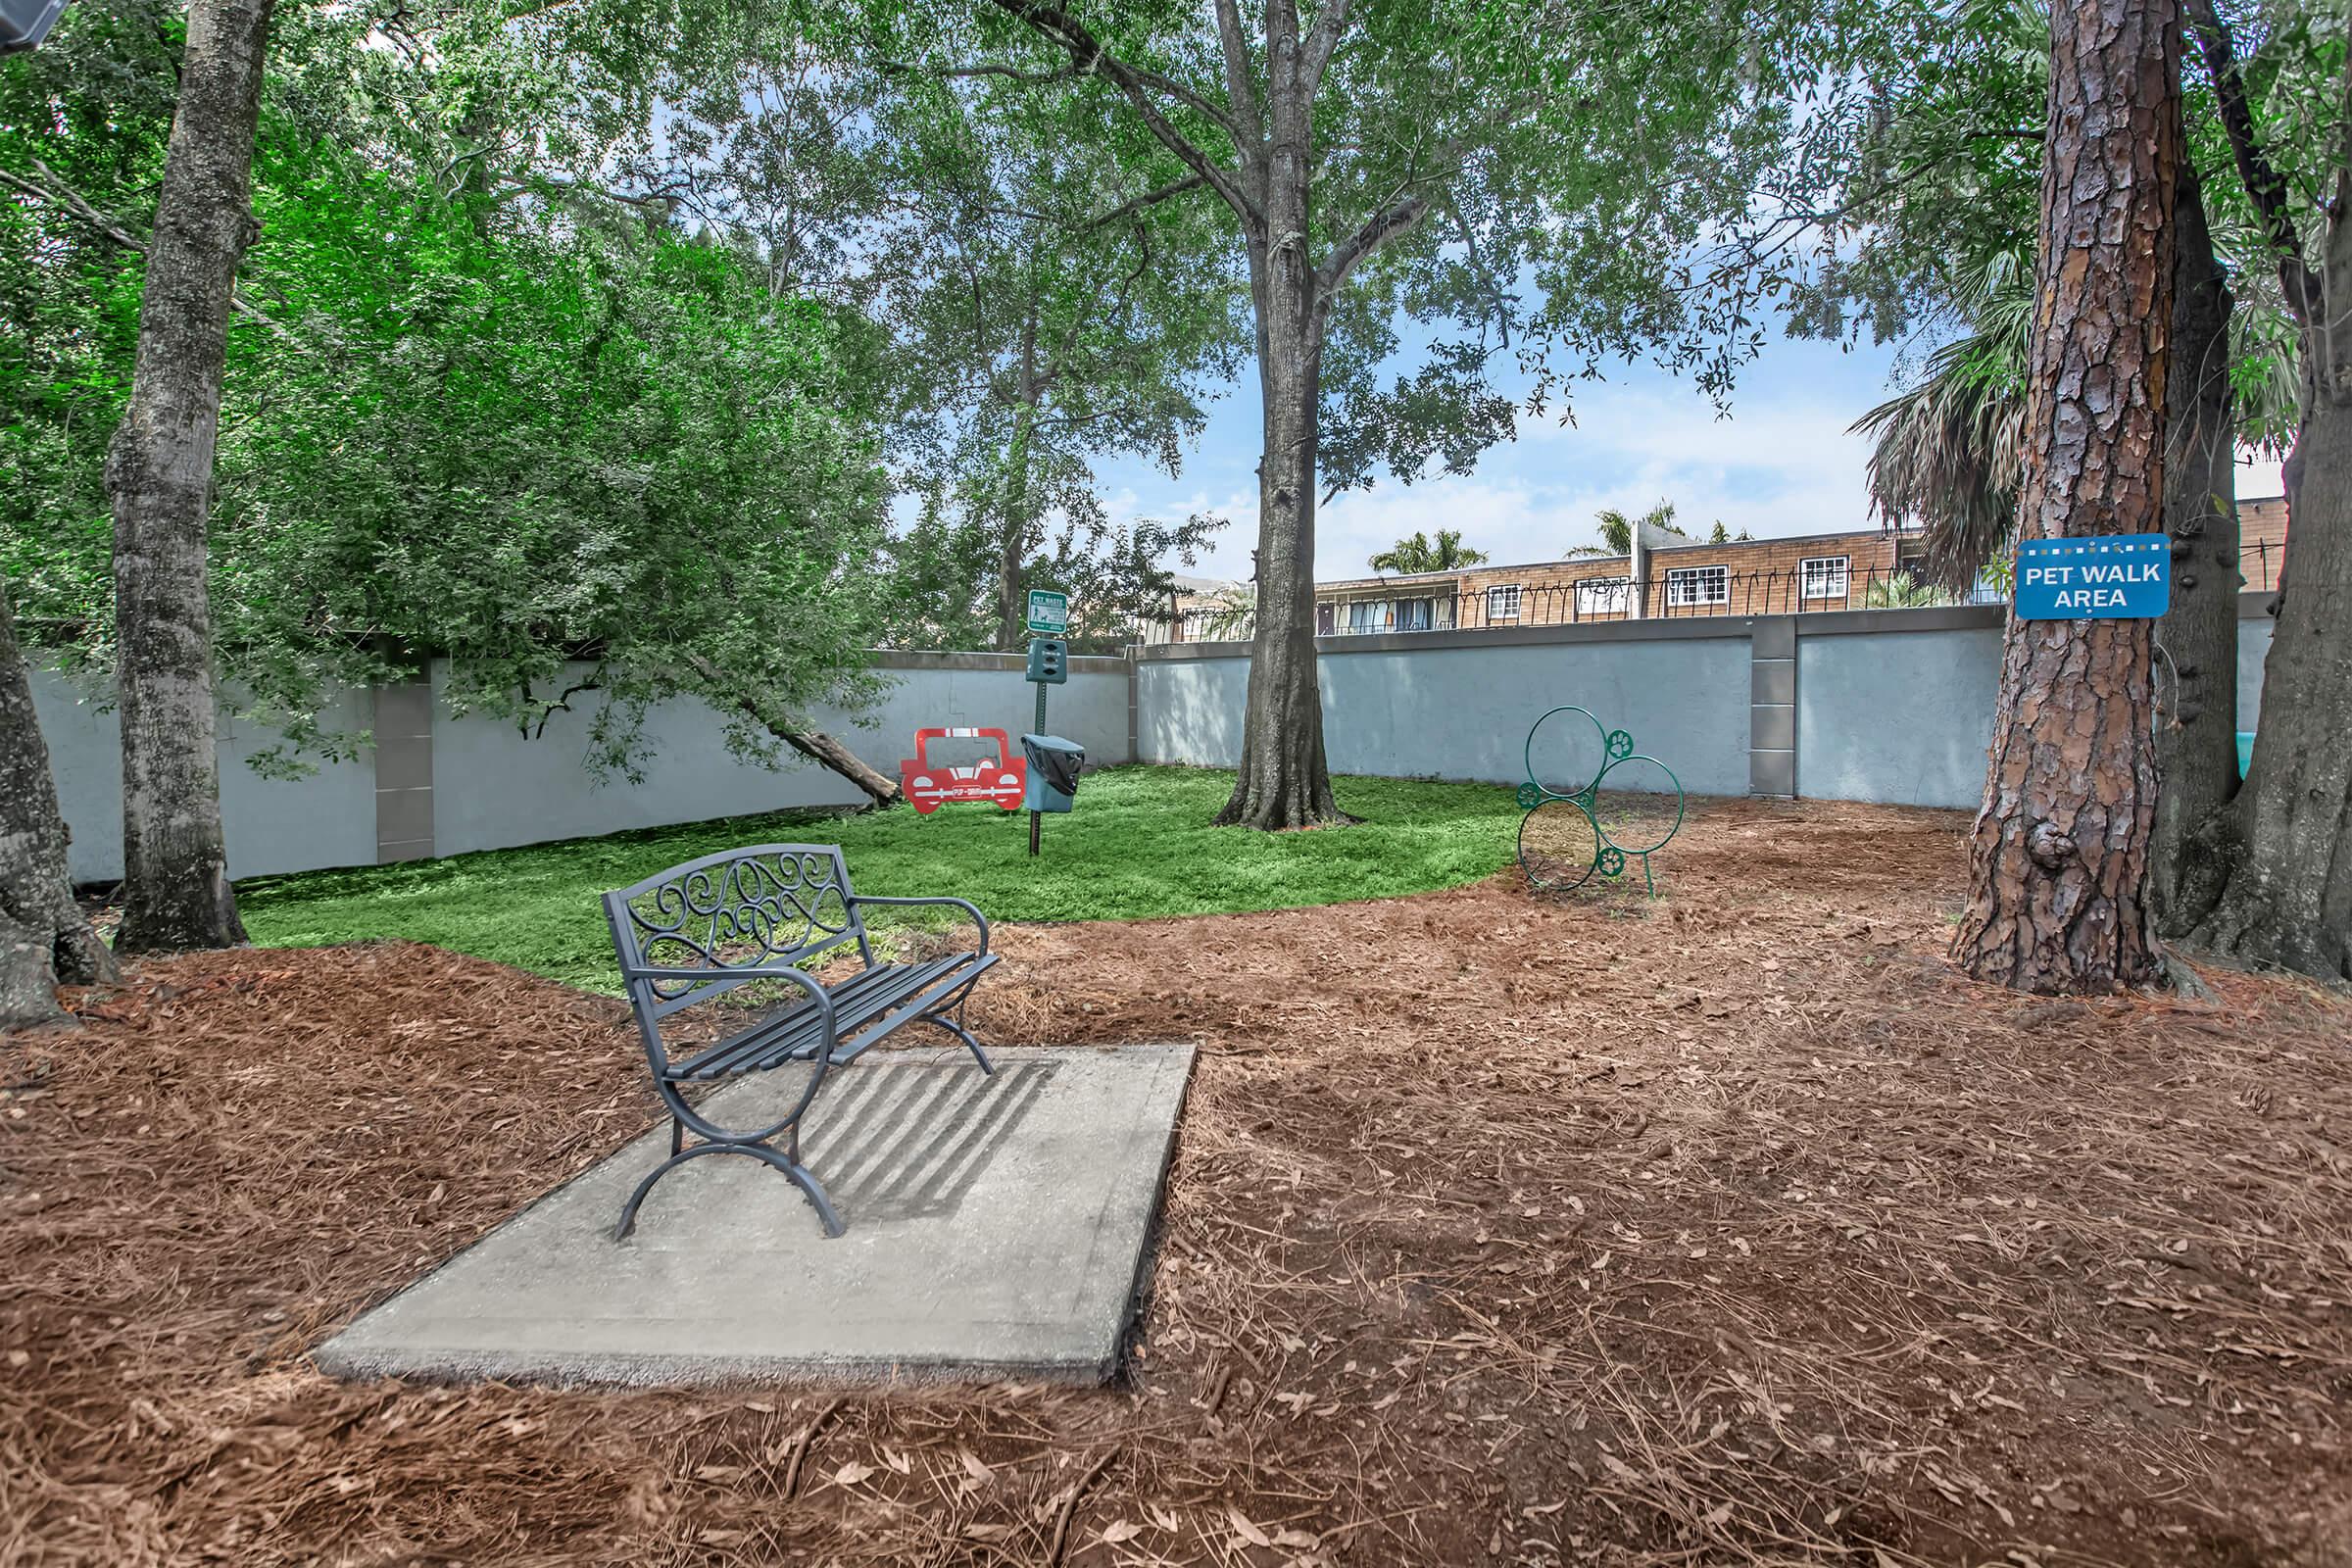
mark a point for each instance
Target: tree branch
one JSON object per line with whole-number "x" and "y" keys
{"x": 62, "y": 196}
{"x": 1091, "y": 58}
{"x": 2263, "y": 186}
{"x": 1240, "y": 86}
{"x": 1330, "y": 22}
{"x": 815, "y": 745}
{"x": 1150, "y": 198}
{"x": 1381, "y": 227}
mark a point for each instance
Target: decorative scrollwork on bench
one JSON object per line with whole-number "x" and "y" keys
{"x": 742, "y": 911}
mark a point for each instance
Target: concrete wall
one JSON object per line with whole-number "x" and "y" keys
{"x": 271, "y": 826}
{"x": 494, "y": 787}
{"x": 1439, "y": 704}
{"x": 441, "y": 784}
{"x": 1893, "y": 705}
{"x": 1899, "y": 716}
{"x": 2253, "y": 647}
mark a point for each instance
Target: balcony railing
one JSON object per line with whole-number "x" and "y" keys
{"x": 1732, "y": 592}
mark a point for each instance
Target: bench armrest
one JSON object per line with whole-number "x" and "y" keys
{"x": 965, "y": 904}
{"x": 631, "y": 973}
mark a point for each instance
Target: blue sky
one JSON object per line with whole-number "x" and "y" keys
{"x": 1781, "y": 463}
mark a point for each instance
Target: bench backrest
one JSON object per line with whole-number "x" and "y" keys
{"x": 737, "y": 910}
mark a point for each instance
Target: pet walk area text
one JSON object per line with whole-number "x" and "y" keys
{"x": 2062, "y": 579}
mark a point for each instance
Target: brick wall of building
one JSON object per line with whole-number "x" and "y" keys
{"x": 2262, "y": 540}
{"x": 1739, "y": 577}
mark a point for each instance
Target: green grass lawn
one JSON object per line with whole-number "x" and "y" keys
{"x": 1138, "y": 845}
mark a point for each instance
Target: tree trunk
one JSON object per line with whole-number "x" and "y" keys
{"x": 2277, "y": 867}
{"x": 43, "y": 937}
{"x": 815, "y": 744}
{"x": 159, "y": 474}
{"x": 2059, "y": 857}
{"x": 2196, "y": 734}
{"x": 1012, "y": 539}
{"x": 1285, "y": 781}
{"x": 2269, "y": 880}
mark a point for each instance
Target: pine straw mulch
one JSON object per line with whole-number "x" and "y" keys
{"x": 1730, "y": 1227}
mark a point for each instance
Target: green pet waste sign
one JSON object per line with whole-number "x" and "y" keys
{"x": 2119, "y": 577}
{"x": 1049, "y": 611}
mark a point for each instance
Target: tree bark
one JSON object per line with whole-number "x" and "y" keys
{"x": 1285, "y": 781}
{"x": 2196, "y": 734}
{"x": 2059, "y": 856}
{"x": 159, "y": 476}
{"x": 44, "y": 938}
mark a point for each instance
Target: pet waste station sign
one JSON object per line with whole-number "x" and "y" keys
{"x": 2118, "y": 578}
{"x": 1048, "y": 612}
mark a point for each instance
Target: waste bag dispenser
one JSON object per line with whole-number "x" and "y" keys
{"x": 1054, "y": 764}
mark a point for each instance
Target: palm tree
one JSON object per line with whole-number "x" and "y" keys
{"x": 1617, "y": 530}
{"x": 1946, "y": 452}
{"x": 1415, "y": 556}
{"x": 1902, "y": 591}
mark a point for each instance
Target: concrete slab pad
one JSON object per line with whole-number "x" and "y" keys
{"x": 997, "y": 1228}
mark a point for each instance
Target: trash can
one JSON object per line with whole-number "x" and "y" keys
{"x": 1054, "y": 764}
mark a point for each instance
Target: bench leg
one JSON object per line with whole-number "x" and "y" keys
{"x": 965, "y": 1034}
{"x": 801, "y": 1177}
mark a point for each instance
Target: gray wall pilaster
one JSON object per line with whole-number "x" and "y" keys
{"x": 403, "y": 772}
{"x": 1772, "y": 708}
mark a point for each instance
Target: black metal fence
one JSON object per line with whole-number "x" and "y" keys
{"x": 2259, "y": 561}
{"x": 1676, "y": 593}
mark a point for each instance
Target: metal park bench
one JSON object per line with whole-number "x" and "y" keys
{"x": 727, "y": 919}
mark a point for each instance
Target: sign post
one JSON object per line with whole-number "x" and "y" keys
{"x": 1049, "y": 660}
{"x": 2099, "y": 577}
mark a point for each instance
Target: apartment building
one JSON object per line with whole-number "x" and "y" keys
{"x": 1850, "y": 571}
{"x": 1681, "y": 577}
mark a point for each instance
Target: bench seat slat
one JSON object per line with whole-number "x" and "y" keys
{"x": 904, "y": 981}
{"x": 857, "y": 1002}
{"x": 850, "y": 1050}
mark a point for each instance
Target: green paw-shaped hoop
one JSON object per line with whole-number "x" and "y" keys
{"x": 1609, "y": 859}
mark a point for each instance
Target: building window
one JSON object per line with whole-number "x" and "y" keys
{"x": 1369, "y": 615}
{"x": 1823, "y": 577}
{"x": 1412, "y": 615}
{"x": 1604, "y": 596}
{"x": 1698, "y": 585}
{"x": 1502, "y": 604}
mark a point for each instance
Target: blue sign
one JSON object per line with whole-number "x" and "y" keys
{"x": 2119, "y": 576}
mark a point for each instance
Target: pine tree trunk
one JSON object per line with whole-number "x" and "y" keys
{"x": 2059, "y": 857}
{"x": 159, "y": 474}
{"x": 1285, "y": 781}
{"x": 2197, "y": 735}
{"x": 43, "y": 936}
